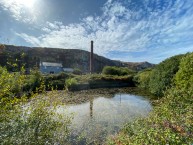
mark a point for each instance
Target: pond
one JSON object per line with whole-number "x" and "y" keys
{"x": 102, "y": 116}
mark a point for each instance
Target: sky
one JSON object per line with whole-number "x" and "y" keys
{"x": 126, "y": 30}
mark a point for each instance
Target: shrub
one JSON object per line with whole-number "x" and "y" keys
{"x": 55, "y": 81}
{"x": 77, "y": 71}
{"x": 17, "y": 84}
{"x": 61, "y": 76}
{"x": 142, "y": 78}
{"x": 184, "y": 77}
{"x": 34, "y": 124}
{"x": 70, "y": 83}
{"x": 32, "y": 81}
{"x": 163, "y": 74}
{"x": 119, "y": 71}
{"x": 11, "y": 84}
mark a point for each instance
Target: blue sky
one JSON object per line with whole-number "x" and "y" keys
{"x": 129, "y": 30}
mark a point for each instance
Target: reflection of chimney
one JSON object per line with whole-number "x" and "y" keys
{"x": 91, "y": 107}
{"x": 120, "y": 98}
{"x": 91, "y": 57}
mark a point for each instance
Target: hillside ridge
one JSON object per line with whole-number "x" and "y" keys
{"x": 70, "y": 58}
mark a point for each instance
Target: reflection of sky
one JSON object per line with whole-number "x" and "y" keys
{"x": 133, "y": 30}
{"x": 107, "y": 112}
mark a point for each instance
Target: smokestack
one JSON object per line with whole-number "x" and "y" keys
{"x": 91, "y": 58}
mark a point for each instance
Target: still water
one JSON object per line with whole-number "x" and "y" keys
{"x": 104, "y": 116}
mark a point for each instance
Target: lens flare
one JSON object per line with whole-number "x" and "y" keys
{"x": 26, "y": 3}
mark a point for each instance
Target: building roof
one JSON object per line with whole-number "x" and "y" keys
{"x": 51, "y": 64}
{"x": 68, "y": 69}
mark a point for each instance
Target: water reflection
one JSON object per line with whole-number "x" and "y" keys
{"x": 103, "y": 116}
{"x": 91, "y": 107}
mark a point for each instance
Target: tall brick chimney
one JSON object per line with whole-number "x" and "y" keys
{"x": 91, "y": 57}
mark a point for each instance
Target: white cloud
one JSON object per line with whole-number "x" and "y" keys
{"x": 47, "y": 30}
{"x": 30, "y": 39}
{"x": 19, "y": 10}
{"x": 163, "y": 27}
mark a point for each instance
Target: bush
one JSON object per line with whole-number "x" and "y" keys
{"x": 142, "y": 78}
{"x": 33, "y": 124}
{"x": 119, "y": 71}
{"x": 11, "y": 84}
{"x": 56, "y": 81}
{"x": 32, "y": 81}
{"x": 61, "y": 76}
{"x": 184, "y": 77}
{"x": 15, "y": 85}
{"x": 70, "y": 83}
{"x": 77, "y": 71}
{"x": 163, "y": 74}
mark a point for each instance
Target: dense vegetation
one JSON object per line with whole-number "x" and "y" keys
{"x": 56, "y": 81}
{"x": 171, "y": 121}
{"x": 15, "y": 85}
{"x": 160, "y": 78}
{"x": 119, "y": 71}
{"x": 184, "y": 77}
{"x": 92, "y": 81}
{"x": 142, "y": 78}
{"x": 28, "y": 123}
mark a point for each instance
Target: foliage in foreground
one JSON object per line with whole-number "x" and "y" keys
{"x": 28, "y": 123}
{"x": 15, "y": 85}
{"x": 33, "y": 124}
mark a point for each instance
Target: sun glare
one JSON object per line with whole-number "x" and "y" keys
{"x": 26, "y": 3}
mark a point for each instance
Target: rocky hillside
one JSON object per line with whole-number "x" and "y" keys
{"x": 70, "y": 58}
